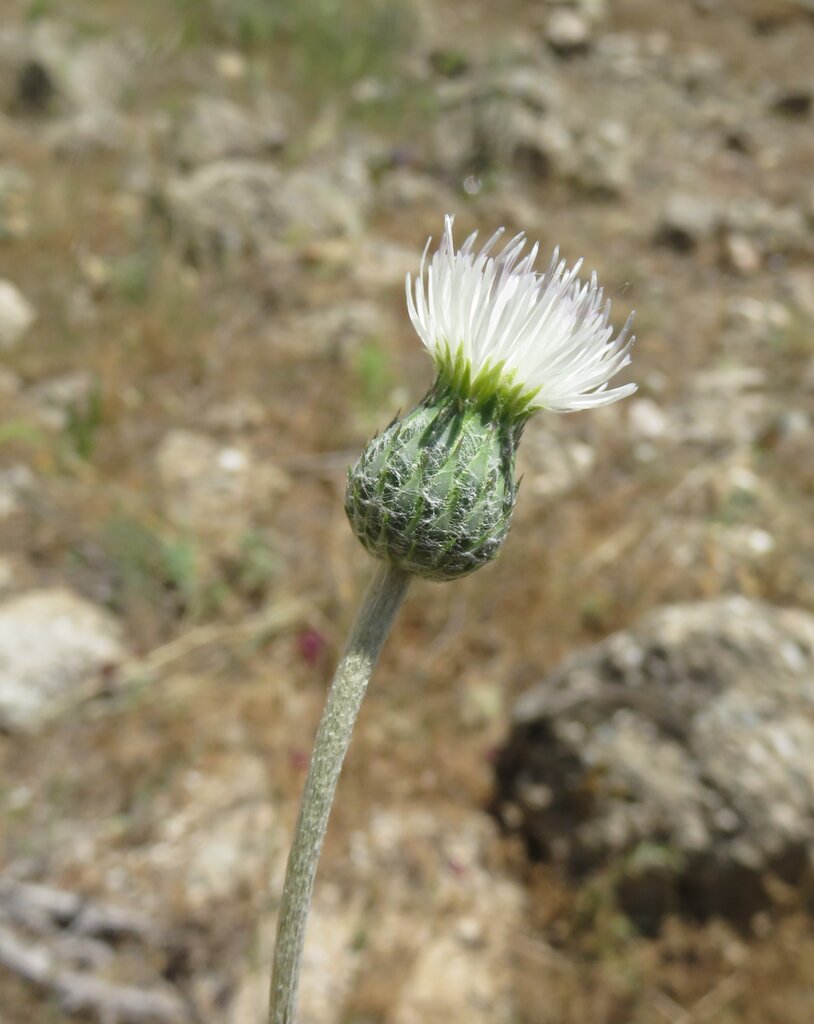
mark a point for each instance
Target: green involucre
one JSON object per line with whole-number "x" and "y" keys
{"x": 434, "y": 494}
{"x": 493, "y": 389}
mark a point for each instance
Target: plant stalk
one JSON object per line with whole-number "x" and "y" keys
{"x": 373, "y": 622}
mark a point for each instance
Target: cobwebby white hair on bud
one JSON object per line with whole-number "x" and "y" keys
{"x": 548, "y": 332}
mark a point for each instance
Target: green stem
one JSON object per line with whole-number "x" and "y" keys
{"x": 379, "y": 608}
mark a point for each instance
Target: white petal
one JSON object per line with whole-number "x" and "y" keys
{"x": 549, "y": 331}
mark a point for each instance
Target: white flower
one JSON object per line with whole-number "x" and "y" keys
{"x": 494, "y": 323}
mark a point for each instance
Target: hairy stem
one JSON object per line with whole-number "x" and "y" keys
{"x": 379, "y": 608}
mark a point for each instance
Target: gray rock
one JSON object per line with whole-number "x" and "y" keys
{"x": 16, "y": 315}
{"x": 218, "y": 839}
{"x": 507, "y": 116}
{"x": 603, "y": 161}
{"x": 239, "y": 206}
{"x": 98, "y": 72}
{"x": 647, "y": 420}
{"x": 214, "y": 128}
{"x": 87, "y": 133}
{"x": 567, "y": 31}
{"x": 740, "y": 254}
{"x": 48, "y": 66}
{"x": 688, "y": 220}
{"x": 679, "y": 752}
{"x": 403, "y": 187}
{"x": 778, "y": 229}
{"x": 52, "y": 643}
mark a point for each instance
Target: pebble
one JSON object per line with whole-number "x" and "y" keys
{"x": 52, "y": 642}
{"x": 16, "y": 315}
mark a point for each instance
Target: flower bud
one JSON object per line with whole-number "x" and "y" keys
{"x": 435, "y": 492}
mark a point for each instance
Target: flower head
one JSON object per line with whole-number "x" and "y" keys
{"x": 498, "y": 330}
{"x": 435, "y": 492}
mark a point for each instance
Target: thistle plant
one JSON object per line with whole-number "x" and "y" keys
{"x": 433, "y": 495}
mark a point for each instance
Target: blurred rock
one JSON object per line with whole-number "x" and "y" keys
{"x": 47, "y": 65}
{"x": 214, "y": 128}
{"x": 481, "y": 703}
{"x": 603, "y": 162}
{"x": 567, "y": 32}
{"x": 52, "y": 643}
{"x": 551, "y": 462}
{"x": 447, "y": 913}
{"x": 16, "y": 315}
{"x": 432, "y": 905}
{"x": 455, "y": 978}
{"x": 756, "y": 320}
{"x": 367, "y": 259}
{"x": 688, "y": 220}
{"x": 539, "y": 146}
{"x": 741, "y": 254}
{"x": 697, "y": 70}
{"x": 679, "y": 751}
{"x": 87, "y": 133}
{"x": 211, "y": 488}
{"x": 55, "y": 400}
{"x": 799, "y": 283}
{"x": 221, "y": 839}
{"x": 25, "y": 83}
{"x": 15, "y": 201}
{"x": 231, "y": 65}
{"x": 333, "y": 331}
{"x": 506, "y": 116}
{"x": 236, "y": 415}
{"x": 726, "y": 549}
{"x": 380, "y": 263}
{"x": 9, "y": 573}
{"x": 728, "y": 406}
{"x": 49, "y": 69}
{"x": 16, "y": 486}
{"x": 238, "y": 206}
{"x": 777, "y": 229}
{"x": 330, "y": 961}
{"x": 10, "y": 383}
{"x": 794, "y": 102}
{"x": 647, "y": 420}
{"x": 592, "y": 10}
{"x": 97, "y": 72}
{"x": 403, "y": 187}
